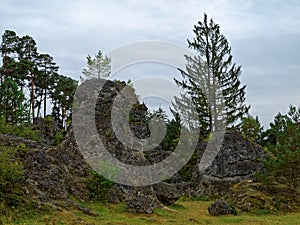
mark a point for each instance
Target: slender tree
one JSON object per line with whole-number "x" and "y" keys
{"x": 97, "y": 67}
{"x": 62, "y": 96}
{"x": 211, "y": 80}
{"x": 28, "y": 55}
{"x": 46, "y": 69}
{"x": 251, "y": 129}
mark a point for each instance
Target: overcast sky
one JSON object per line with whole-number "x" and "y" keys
{"x": 264, "y": 36}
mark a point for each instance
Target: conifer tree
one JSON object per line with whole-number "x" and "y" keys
{"x": 211, "y": 80}
{"x": 97, "y": 67}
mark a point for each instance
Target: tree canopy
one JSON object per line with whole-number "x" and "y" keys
{"x": 25, "y": 75}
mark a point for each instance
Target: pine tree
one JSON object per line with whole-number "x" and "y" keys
{"x": 251, "y": 129}
{"x": 46, "y": 69}
{"x": 97, "y": 67}
{"x": 27, "y": 53}
{"x": 283, "y": 148}
{"x": 62, "y": 95}
{"x": 12, "y": 105}
{"x": 212, "y": 80}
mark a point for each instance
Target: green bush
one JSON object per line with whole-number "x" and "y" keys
{"x": 19, "y": 130}
{"x": 98, "y": 186}
{"x": 11, "y": 176}
{"x": 59, "y": 136}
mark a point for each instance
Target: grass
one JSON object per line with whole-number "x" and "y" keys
{"x": 184, "y": 212}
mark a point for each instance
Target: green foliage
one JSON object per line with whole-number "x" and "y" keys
{"x": 98, "y": 186}
{"x": 97, "y": 67}
{"x": 173, "y": 128}
{"x": 211, "y": 81}
{"x": 261, "y": 212}
{"x": 12, "y": 102}
{"x": 59, "y": 136}
{"x": 62, "y": 97}
{"x": 11, "y": 176}
{"x": 189, "y": 167}
{"x": 109, "y": 135}
{"x": 283, "y": 149}
{"x": 251, "y": 129}
{"x": 27, "y": 74}
{"x": 20, "y": 130}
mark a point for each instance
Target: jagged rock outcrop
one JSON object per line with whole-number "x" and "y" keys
{"x": 52, "y": 174}
{"x": 237, "y": 160}
{"x": 139, "y": 199}
{"x": 55, "y": 173}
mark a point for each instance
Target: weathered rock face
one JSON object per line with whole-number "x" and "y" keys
{"x": 138, "y": 199}
{"x": 252, "y": 196}
{"x": 248, "y": 196}
{"x": 237, "y": 160}
{"x": 55, "y": 173}
{"x": 47, "y": 129}
{"x": 141, "y": 200}
{"x": 167, "y": 193}
{"x": 52, "y": 173}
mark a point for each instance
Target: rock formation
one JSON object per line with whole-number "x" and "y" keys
{"x": 237, "y": 160}
{"x": 55, "y": 173}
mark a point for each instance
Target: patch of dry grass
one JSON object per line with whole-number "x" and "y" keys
{"x": 185, "y": 212}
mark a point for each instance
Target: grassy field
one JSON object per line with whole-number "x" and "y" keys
{"x": 185, "y": 212}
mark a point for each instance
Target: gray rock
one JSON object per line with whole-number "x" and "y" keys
{"x": 220, "y": 207}
{"x": 238, "y": 159}
{"x": 166, "y": 193}
{"x": 141, "y": 200}
{"x": 55, "y": 173}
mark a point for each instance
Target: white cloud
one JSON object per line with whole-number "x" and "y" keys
{"x": 264, "y": 35}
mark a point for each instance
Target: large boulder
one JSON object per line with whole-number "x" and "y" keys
{"x": 141, "y": 200}
{"x": 167, "y": 193}
{"x": 238, "y": 159}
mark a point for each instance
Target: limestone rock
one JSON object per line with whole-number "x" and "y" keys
{"x": 55, "y": 173}
{"x": 220, "y": 207}
{"x": 51, "y": 173}
{"x": 167, "y": 193}
{"x": 237, "y": 160}
{"x": 141, "y": 200}
{"x": 249, "y": 196}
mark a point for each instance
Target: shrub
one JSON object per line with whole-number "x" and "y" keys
{"x": 11, "y": 176}
{"x": 59, "y": 136}
{"x": 20, "y": 130}
{"x": 98, "y": 186}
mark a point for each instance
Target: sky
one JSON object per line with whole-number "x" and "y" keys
{"x": 264, "y": 36}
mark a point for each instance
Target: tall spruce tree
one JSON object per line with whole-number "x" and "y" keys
{"x": 211, "y": 80}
